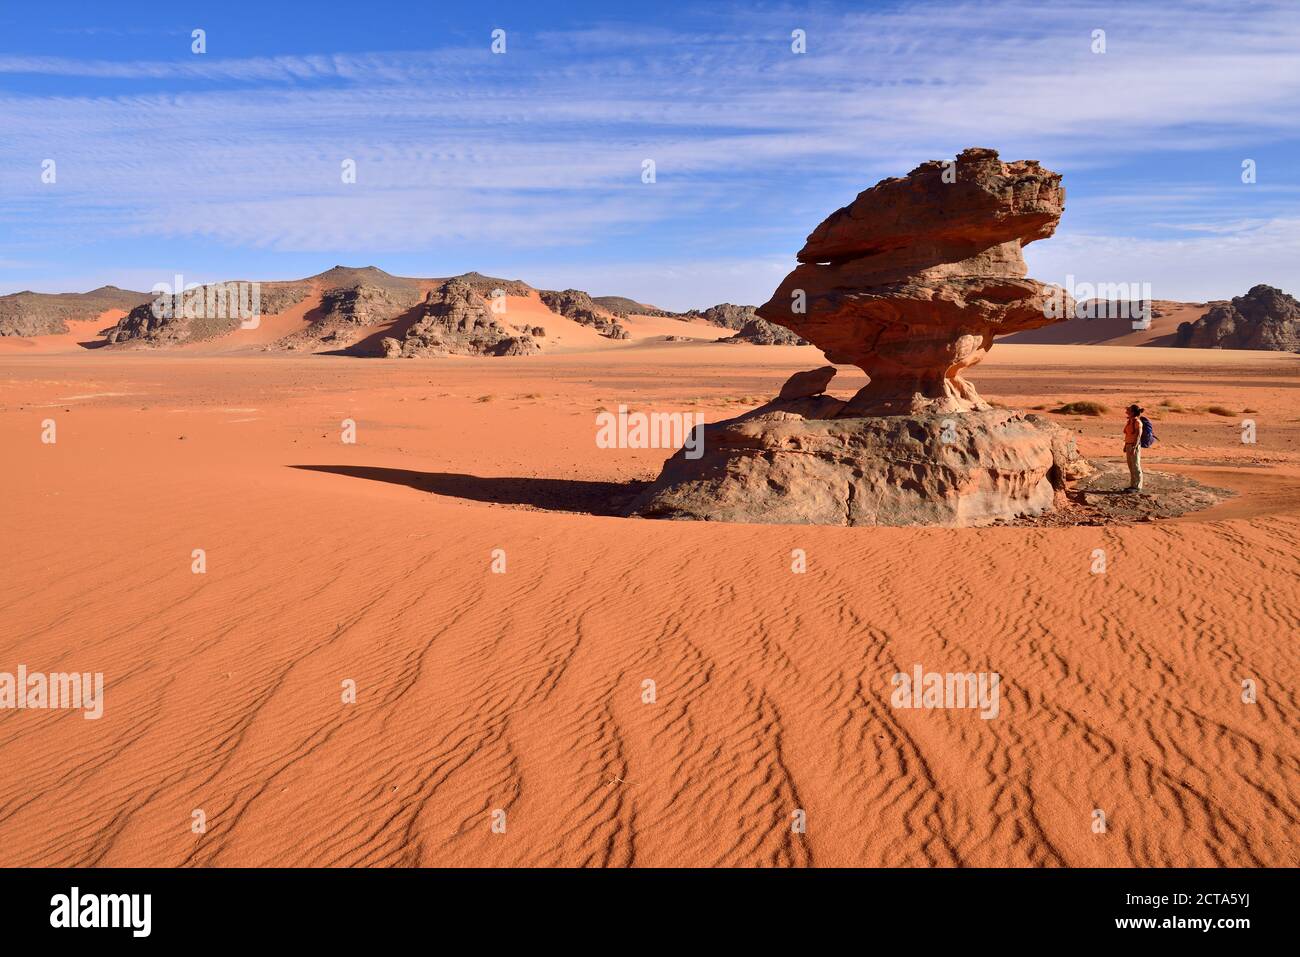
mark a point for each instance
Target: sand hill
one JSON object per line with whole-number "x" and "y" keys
{"x": 1106, "y": 323}
{"x": 46, "y": 314}
{"x": 364, "y": 312}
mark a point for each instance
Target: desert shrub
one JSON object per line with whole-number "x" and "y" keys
{"x": 1081, "y": 408}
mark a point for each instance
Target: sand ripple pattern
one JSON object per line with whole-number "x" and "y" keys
{"x": 522, "y": 693}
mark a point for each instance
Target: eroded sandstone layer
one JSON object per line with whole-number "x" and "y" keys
{"x": 798, "y": 460}
{"x": 910, "y": 282}
{"x": 913, "y": 279}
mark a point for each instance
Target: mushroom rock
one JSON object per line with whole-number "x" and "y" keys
{"x": 910, "y": 282}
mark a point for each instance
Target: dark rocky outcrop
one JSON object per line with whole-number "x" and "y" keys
{"x": 354, "y": 301}
{"x": 760, "y": 332}
{"x": 1264, "y": 318}
{"x": 803, "y": 385}
{"x": 364, "y": 305}
{"x": 201, "y": 313}
{"x": 455, "y": 320}
{"x": 48, "y": 314}
{"x": 487, "y": 286}
{"x": 724, "y": 314}
{"x": 622, "y": 307}
{"x": 578, "y": 306}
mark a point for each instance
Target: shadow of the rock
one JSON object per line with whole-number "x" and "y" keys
{"x": 552, "y": 495}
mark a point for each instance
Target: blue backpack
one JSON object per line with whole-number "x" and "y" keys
{"x": 1148, "y": 434}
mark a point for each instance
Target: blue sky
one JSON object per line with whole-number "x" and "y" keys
{"x": 527, "y": 164}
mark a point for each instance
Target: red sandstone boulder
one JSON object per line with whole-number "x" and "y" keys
{"x": 913, "y": 279}
{"x": 910, "y": 282}
{"x": 777, "y": 466}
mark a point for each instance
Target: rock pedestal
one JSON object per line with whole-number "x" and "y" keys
{"x": 910, "y": 282}
{"x": 776, "y": 465}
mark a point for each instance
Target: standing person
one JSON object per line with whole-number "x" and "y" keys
{"x": 1133, "y": 447}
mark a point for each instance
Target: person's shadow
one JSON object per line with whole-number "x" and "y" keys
{"x": 552, "y": 495}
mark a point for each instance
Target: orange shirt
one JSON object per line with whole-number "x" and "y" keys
{"x": 1132, "y": 429}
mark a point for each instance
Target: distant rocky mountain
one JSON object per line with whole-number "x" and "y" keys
{"x": 354, "y": 308}
{"x": 455, "y": 320}
{"x": 581, "y": 308}
{"x": 622, "y": 307}
{"x": 760, "y": 332}
{"x": 724, "y": 314}
{"x": 349, "y": 313}
{"x": 48, "y": 314}
{"x": 193, "y": 319}
{"x": 362, "y": 310}
{"x": 488, "y": 285}
{"x": 350, "y": 309}
{"x": 352, "y": 277}
{"x": 1264, "y": 318}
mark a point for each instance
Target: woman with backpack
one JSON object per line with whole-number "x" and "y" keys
{"x": 1138, "y": 435}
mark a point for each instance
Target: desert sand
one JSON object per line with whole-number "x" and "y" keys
{"x": 523, "y": 691}
{"x": 81, "y": 334}
{"x": 1115, "y": 328}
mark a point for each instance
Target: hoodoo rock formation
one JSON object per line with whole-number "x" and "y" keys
{"x": 910, "y": 282}
{"x": 913, "y": 279}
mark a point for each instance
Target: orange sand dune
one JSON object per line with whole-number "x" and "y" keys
{"x": 640, "y": 327}
{"x": 562, "y": 333}
{"x": 523, "y": 692}
{"x": 82, "y": 334}
{"x": 269, "y": 329}
{"x": 1107, "y": 331}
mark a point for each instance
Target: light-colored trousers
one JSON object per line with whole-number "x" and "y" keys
{"x": 1134, "y": 455}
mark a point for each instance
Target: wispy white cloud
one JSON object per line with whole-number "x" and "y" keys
{"x": 1194, "y": 268}
{"x": 543, "y": 146}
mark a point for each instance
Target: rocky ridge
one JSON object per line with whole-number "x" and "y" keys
{"x": 1264, "y": 318}
{"x": 47, "y": 314}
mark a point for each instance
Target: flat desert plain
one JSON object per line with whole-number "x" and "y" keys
{"x": 522, "y": 692}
